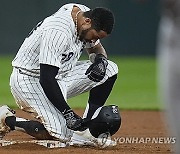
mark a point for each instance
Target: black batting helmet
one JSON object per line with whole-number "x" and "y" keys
{"x": 107, "y": 121}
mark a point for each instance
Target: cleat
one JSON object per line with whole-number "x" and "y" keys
{"x": 5, "y": 111}
{"x": 84, "y": 139}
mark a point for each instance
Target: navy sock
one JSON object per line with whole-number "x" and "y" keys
{"x": 98, "y": 95}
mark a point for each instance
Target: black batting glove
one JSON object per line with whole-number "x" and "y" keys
{"x": 97, "y": 70}
{"x": 73, "y": 121}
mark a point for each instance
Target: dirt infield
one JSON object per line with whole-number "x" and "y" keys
{"x": 141, "y": 132}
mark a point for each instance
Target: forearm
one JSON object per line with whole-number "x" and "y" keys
{"x": 54, "y": 94}
{"x": 51, "y": 87}
{"x": 98, "y": 49}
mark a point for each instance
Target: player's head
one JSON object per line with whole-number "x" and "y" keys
{"x": 98, "y": 23}
{"x": 101, "y": 19}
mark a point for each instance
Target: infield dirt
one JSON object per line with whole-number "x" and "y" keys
{"x": 143, "y": 126}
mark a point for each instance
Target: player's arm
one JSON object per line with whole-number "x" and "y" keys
{"x": 54, "y": 94}
{"x": 98, "y": 57}
{"x": 49, "y": 59}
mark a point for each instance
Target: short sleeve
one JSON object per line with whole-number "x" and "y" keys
{"x": 53, "y": 44}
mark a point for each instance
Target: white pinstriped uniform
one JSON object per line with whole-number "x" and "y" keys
{"x": 52, "y": 42}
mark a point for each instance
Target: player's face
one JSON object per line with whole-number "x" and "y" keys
{"x": 91, "y": 35}
{"x": 88, "y": 34}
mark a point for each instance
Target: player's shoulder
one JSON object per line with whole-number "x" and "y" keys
{"x": 59, "y": 20}
{"x": 62, "y": 19}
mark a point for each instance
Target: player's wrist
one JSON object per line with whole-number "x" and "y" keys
{"x": 101, "y": 58}
{"x": 73, "y": 121}
{"x": 93, "y": 57}
{"x": 97, "y": 70}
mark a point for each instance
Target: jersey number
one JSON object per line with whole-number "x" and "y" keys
{"x": 66, "y": 57}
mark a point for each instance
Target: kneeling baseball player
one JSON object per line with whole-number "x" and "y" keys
{"x": 46, "y": 72}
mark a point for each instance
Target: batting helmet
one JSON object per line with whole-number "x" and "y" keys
{"x": 107, "y": 121}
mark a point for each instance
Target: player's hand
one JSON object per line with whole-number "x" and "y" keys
{"x": 73, "y": 121}
{"x": 97, "y": 70}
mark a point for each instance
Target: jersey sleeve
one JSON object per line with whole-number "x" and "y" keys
{"x": 53, "y": 44}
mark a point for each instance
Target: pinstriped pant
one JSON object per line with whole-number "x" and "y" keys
{"x": 30, "y": 96}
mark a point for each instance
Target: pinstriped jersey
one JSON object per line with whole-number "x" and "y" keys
{"x": 54, "y": 42}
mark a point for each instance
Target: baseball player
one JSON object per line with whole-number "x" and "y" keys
{"x": 169, "y": 64}
{"x": 46, "y": 72}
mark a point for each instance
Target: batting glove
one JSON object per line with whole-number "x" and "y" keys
{"x": 97, "y": 70}
{"x": 73, "y": 121}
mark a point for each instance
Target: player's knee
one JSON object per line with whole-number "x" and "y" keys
{"x": 112, "y": 69}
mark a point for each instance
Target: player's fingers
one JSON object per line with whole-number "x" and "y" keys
{"x": 92, "y": 78}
